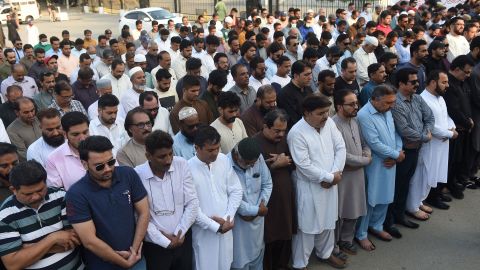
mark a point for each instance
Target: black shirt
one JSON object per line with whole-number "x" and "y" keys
{"x": 340, "y": 84}
{"x": 457, "y": 98}
{"x": 433, "y": 64}
{"x": 290, "y": 99}
{"x": 322, "y": 51}
{"x": 7, "y": 113}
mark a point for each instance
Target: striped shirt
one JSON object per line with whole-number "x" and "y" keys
{"x": 20, "y": 224}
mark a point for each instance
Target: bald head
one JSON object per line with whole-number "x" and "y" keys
{"x": 18, "y": 72}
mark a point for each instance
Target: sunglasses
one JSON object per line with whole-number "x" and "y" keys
{"x": 110, "y": 163}
{"x": 413, "y": 82}
{"x": 143, "y": 125}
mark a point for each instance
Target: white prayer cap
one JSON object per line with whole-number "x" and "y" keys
{"x": 102, "y": 83}
{"x": 228, "y": 20}
{"x": 371, "y": 40}
{"x": 310, "y": 11}
{"x": 139, "y": 58}
{"x": 134, "y": 70}
{"x": 186, "y": 112}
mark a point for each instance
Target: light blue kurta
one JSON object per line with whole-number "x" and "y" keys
{"x": 379, "y": 132}
{"x": 257, "y": 185}
{"x": 182, "y": 148}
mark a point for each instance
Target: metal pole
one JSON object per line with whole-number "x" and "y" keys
{"x": 68, "y": 5}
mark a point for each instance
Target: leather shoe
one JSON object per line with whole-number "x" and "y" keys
{"x": 459, "y": 186}
{"x": 445, "y": 198}
{"x": 393, "y": 232}
{"x": 407, "y": 223}
{"x": 456, "y": 193}
{"x": 334, "y": 262}
{"x": 438, "y": 204}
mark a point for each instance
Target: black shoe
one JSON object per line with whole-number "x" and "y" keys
{"x": 394, "y": 232}
{"x": 459, "y": 186}
{"x": 469, "y": 184}
{"x": 407, "y": 223}
{"x": 438, "y": 204}
{"x": 457, "y": 194}
{"x": 445, "y": 198}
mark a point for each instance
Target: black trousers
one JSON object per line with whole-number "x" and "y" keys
{"x": 458, "y": 164}
{"x": 159, "y": 258}
{"x": 277, "y": 255}
{"x": 404, "y": 173}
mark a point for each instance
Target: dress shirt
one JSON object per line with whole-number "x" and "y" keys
{"x": 366, "y": 92}
{"x": 19, "y": 54}
{"x": 182, "y": 147}
{"x": 179, "y": 66}
{"x": 458, "y": 45}
{"x": 130, "y": 99}
{"x": 207, "y": 64}
{"x": 173, "y": 79}
{"x": 271, "y": 68}
{"x": 363, "y": 61}
{"x": 74, "y": 75}
{"x": 141, "y": 50}
{"x": 320, "y": 65}
{"x": 173, "y": 54}
{"x": 233, "y": 57}
{"x": 39, "y": 151}
{"x": 66, "y": 65}
{"x": 175, "y": 192}
{"x": 115, "y": 133}
{"x": 102, "y": 69}
{"x": 366, "y": 15}
{"x": 282, "y": 81}
{"x": 247, "y": 96}
{"x": 63, "y": 167}
{"x": 3, "y": 133}
{"x": 131, "y": 154}
{"x": 28, "y": 86}
{"x": 253, "y": 82}
{"x": 51, "y": 52}
{"x": 420, "y": 74}
{"x": 77, "y": 53}
{"x": 162, "y": 45}
{"x": 402, "y": 52}
{"x": 85, "y": 94}
{"x": 198, "y": 54}
{"x": 135, "y": 33}
{"x": 75, "y": 106}
{"x": 22, "y": 135}
{"x": 293, "y": 58}
{"x": 229, "y": 137}
{"x": 290, "y": 99}
{"x": 119, "y": 86}
{"x": 162, "y": 121}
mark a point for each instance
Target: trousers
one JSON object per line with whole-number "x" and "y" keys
{"x": 303, "y": 244}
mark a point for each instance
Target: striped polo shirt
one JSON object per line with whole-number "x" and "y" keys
{"x": 20, "y": 224}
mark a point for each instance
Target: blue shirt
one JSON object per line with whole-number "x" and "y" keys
{"x": 366, "y": 92}
{"x": 271, "y": 68}
{"x": 183, "y": 148}
{"x": 402, "y": 52}
{"x": 420, "y": 74}
{"x": 111, "y": 210}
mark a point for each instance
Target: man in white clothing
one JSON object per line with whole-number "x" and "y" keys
{"x": 107, "y": 123}
{"x": 258, "y": 68}
{"x": 283, "y": 69}
{"x": 458, "y": 44}
{"x": 319, "y": 153}
{"x": 432, "y": 165}
{"x": 164, "y": 62}
{"x": 179, "y": 65}
{"x": 130, "y": 99}
{"x": 327, "y": 62}
{"x": 52, "y": 136}
{"x": 84, "y": 61}
{"x": 365, "y": 56}
{"x": 219, "y": 194}
{"x": 120, "y": 82}
{"x": 104, "y": 87}
{"x": 32, "y": 33}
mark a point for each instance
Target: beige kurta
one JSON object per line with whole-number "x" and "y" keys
{"x": 351, "y": 190}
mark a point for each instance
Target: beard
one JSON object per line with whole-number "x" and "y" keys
{"x": 230, "y": 120}
{"x": 190, "y": 137}
{"x": 264, "y": 110}
{"x": 55, "y": 141}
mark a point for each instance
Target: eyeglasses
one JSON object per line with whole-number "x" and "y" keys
{"x": 295, "y": 44}
{"x": 346, "y": 43}
{"x": 143, "y": 125}
{"x": 467, "y": 71}
{"x": 413, "y": 82}
{"x": 101, "y": 167}
{"x": 67, "y": 97}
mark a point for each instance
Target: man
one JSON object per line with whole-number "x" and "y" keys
{"x": 103, "y": 87}
{"x": 212, "y": 43}
{"x": 88, "y": 40}
{"x": 168, "y": 242}
{"x": 242, "y": 89}
{"x": 164, "y": 62}
{"x": 104, "y": 66}
{"x": 266, "y": 101}
{"x": 138, "y": 125}
{"x": 84, "y": 88}
{"x": 179, "y": 65}
{"x": 66, "y": 62}
{"x": 6, "y": 66}
{"x": 385, "y": 20}
{"x": 52, "y": 136}
{"x": 377, "y": 76}
{"x": 250, "y": 167}
{"x": 129, "y": 99}
{"x": 8, "y": 160}
{"x": 39, "y": 66}
{"x": 18, "y": 77}
{"x": 55, "y": 47}
{"x": 63, "y": 100}
{"x": 292, "y": 49}
{"x": 32, "y": 32}
{"x": 378, "y": 130}
{"x": 351, "y": 190}
{"x": 217, "y": 80}
{"x": 26, "y": 128}
{"x": 458, "y": 44}
{"x": 347, "y": 78}
{"x": 458, "y": 101}
{"x": 84, "y": 61}
{"x": 28, "y": 59}
{"x": 18, "y": 49}
{"x": 43, "y": 43}
{"x": 163, "y": 40}
{"x": 318, "y": 152}
{"x": 432, "y": 165}
{"x": 107, "y": 123}
{"x": 7, "y": 109}
{"x": 281, "y": 77}
{"x": 78, "y": 49}
{"x": 214, "y": 222}
{"x": 108, "y": 243}
{"x": 228, "y": 125}
{"x": 183, "y": 141}
{"x": 173, "y": 50}
{"x": 419, "y": 53}
{"x": 193, "y": 67}
{"x": 52, "y": 66}
{"x": 389, "y": 61}
{"x": 248, "y": 52}
{"x": 234, "y": 52}
{"x": 120, "y": 82}
{"x": 102, "y": 46}
{"x": 149, "y": 102}
{"x": 436, "y": 57}
{"x": 151, "y": 56}
{"x": 191, "y": 92}
{"x": 365, "y": 57}
{"x": 165, "y": 88}
{"x": 327, "y": 62}
{"x": 257, "y": 79}
{"x": 28, "y": 240}
{"x": 291, "y": 96}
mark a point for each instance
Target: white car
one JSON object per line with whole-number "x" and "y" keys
{"x": 147, "y": 15}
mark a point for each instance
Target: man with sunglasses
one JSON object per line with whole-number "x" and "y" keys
{"x": 183, "y": 140}
{"x": 414, "y": 122}
{"x": 150, "y": 102}
{"x": 8, "y": 160}
{"x": 253, "y": 173}
{"x": 173, "y": 205}
{"x": 292, "y": 44}
{"x": 138, "y": 124}
{"x": 108, "y": 209}
{"x": 418, "y": 57}
{"x": 63, "y": 165}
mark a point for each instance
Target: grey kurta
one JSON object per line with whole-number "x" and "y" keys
{"x": 351, "y": 190}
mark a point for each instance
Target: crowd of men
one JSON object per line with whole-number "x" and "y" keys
{"x": 241, "y": 143}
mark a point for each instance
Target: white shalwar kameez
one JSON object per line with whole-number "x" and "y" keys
{"x": 219, "y": 193}
{"x": 432, "y": 164}
{"x": 317, "y": 155}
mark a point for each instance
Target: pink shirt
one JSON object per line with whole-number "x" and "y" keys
{"x": 64, "y": 168}
{"x": 66, "y": 65}
{"x": 385, "y": 29}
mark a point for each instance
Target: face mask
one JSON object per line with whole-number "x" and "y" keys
{"x": 294, "y": 25}
{"x": 93, "y": 56}
{"x": 44, "y": 43}
{"x": 369, "y": 10}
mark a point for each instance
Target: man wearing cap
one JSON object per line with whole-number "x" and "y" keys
{"x": 130, "y": 99}
{"x": 119, "y": 81}
{"x": 104, "y": 87}
{"x": 183, "y": 140}
{"x": 140, "y": 60}
{"x": 327, "y": 62}
{"x": 256, "y": 181}
{"x": 104, "y": 66}
{"x": 365, "y": 56}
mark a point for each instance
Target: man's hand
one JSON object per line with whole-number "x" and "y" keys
{"x": 325, "y": 185}
{"x": 66, "y": 239}
{"x": 175, "y": 240}
{"x": 247, "y": 218}
{"x": 455, "y": 133}
{"x": 134, "y": 256}
{"x": 472, "y": 124}
{"x": 401, "y": 157}
{"x": 279, "y": 160}
{"x": 227, "y": 226}
{"x": 389, "y": 162}
{"x": 219, "y": 220}
{"x": 337, "y": 177}
{"x": 262, "y": 209}
{"x": 429, "y": 136}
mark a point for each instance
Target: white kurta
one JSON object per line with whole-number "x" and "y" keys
{"x": 432, "y": 165}
{"x": 39, "y": 151}
{"x": 317, "y": 155}
{"x": 219, "y": 193}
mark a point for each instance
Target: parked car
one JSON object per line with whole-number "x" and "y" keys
{"x": 26, "y": 9}
{"x": 147, "y": 15}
